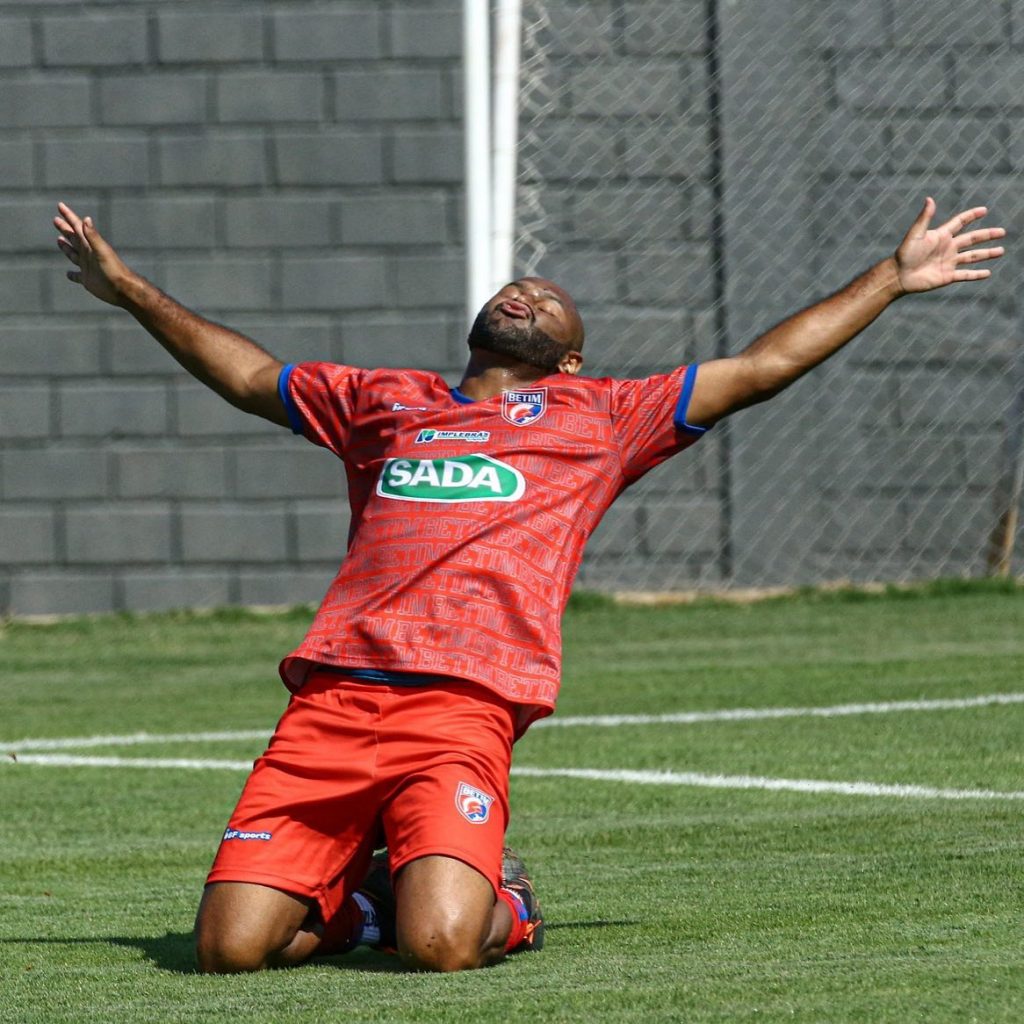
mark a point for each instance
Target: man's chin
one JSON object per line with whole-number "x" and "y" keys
{"x": 535, "y": 360}
{"x": 543, "y": 353}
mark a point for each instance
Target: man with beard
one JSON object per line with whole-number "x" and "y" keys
{"x": 437, "y": 643}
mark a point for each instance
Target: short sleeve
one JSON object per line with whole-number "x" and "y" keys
{"x": 649, "y": 419}
{"x": 320, "y": 400}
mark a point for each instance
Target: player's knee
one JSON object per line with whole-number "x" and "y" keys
{"x": 242, "y": 927}
{"x": 445, "y": 915}
{"x": 441, "y": 957}
{"x": 227, "y": 952}
{"x": 440, "y": 946}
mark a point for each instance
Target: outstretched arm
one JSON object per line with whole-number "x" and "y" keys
{"x": 229, "y": 363}
{"x": 926, "y": 259}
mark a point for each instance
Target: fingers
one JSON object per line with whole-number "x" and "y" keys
{"x": 957, "y": 223}
{"x": 72, "y": 218}
{"x": 979, "y": 255}
{"x": 73, "y": 226}
{"x": 977, "y": 237}
{"x": 69, "y": 250}
{"x": 67, "y": 242}
{"x": 74, "y": 239}
{"x": 67, "y": 233}
{"x": 924, "y": 218}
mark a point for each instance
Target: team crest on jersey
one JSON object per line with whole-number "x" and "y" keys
{"x": 522, "y": 408}
{"x": 473, "y": 804}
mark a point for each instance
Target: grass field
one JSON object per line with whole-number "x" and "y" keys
{"x": 855, "y": 864}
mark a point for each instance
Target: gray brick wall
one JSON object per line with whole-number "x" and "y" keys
{"x": 864, "y": 471}
{"x": 827, "y": 124}
{"x": 290, "y": 169}
{"x": 295, "y": 170}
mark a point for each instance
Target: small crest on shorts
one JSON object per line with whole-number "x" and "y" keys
{"x": 522, "y": 408}
{"x": 473, "y": 804}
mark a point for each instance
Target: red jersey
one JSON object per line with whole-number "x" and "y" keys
{"x": 469, "y": 518}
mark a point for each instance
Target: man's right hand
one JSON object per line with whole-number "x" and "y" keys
{"x": 228, "y": 362}
{"x": 100, "y": 270}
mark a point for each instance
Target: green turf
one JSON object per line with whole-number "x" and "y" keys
{"x": 664, "y": 902}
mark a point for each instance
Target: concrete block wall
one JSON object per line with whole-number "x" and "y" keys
{"x": 617, "y": 153}
{"x": 867, "y": 469}
{"x": 699, "y": 180}
{"x": 292, "y": 169}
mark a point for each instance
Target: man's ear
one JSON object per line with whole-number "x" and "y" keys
{"x": 571, "y": 362}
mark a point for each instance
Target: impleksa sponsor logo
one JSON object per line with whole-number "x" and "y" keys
{"x": 234, "y": 833}
{"x": 426, "y": 436}
{"x": 466, "y": 478}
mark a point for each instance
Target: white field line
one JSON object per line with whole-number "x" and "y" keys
{"x": 758, "y": 714}
{"x": 607, "y": 721}
{"x": 643, "y": 778}
{"x": 700, "y": 779}
{"x": 133, "y": 739}
{"x": 92, "y": 761}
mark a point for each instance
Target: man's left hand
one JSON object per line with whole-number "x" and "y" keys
{"x": 932, "y": 258}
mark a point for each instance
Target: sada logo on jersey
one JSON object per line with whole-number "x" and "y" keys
{"x": 522, "y": 408}
{"x": 473, "y": 804}
{"x": 466, "y": 478}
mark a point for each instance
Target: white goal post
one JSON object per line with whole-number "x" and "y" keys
{"x": 491, "y": 101}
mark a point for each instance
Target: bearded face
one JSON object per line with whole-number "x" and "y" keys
{"x": 521, "y": 340}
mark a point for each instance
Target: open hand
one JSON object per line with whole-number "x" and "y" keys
{"x": 928, "y": 259}
{"x": 100, "y": 270}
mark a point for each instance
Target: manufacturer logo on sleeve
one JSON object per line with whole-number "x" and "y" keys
{"x": 426, "y": 436}
{"x": 522, "y": 408}
{"x": 473, "y": 804}
{"x": 465, "y": 478}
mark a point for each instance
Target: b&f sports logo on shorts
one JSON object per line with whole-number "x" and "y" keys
{"x": 473, "y": 804}
{"x": 521, "y": 408}
{"x": 234, "y": 833}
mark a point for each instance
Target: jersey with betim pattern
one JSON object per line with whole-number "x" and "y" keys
{"x": 469, "y": 518}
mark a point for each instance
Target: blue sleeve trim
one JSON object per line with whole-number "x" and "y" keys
{"x": 286, "y": 399}
{"x": 683, "y": 405}
{"x": 460, "y": 397}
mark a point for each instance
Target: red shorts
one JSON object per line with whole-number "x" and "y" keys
{"x": 354, "y": 765}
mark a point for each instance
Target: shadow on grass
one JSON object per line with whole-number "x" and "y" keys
{"x": 175, "y": 951}
{"x": 171, "y": 952}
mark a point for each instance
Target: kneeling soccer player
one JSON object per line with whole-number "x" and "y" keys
{"x": 438, "y": 641}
